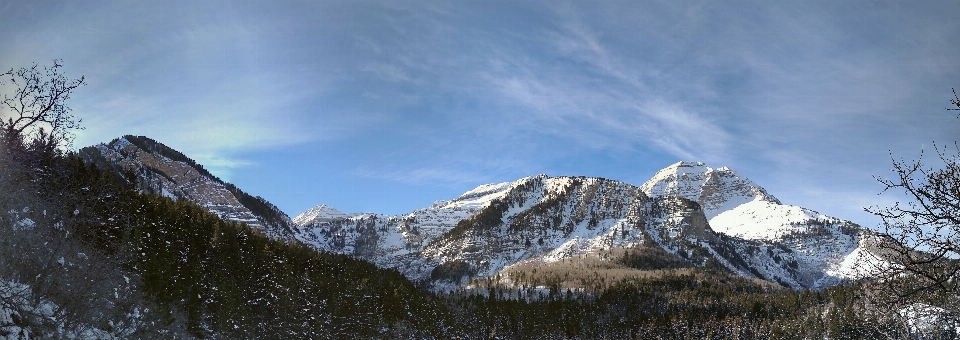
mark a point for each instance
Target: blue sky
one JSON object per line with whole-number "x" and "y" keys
{"x": 386, "y": 106}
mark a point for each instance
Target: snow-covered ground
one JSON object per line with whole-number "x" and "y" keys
{"x": 19, "y": 313}
{"x": 929, "y": 321}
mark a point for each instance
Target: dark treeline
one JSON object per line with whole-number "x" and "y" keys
{"x": 706, "y": 304}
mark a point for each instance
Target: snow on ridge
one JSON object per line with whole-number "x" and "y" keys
{"x": 857, "y": 264}
{"x": 322, "y": 211}
{"x": 121, "y": 143}
{"x": 733, "y": 204}
{"x": 763, "y": 220}
{"x": 447, "y": 213}
{"x": 479, "y": 197}
{"x": 682, "y": 179}
{"x": 717, "y": 190}
{"x": 484, "y": 190}
{"x": 682, "y": 167}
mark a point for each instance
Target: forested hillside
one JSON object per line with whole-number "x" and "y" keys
{"x": 198, "y": 274}
{"x": 164, "y": 171}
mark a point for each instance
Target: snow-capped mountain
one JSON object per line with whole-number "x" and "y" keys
{"x": 162, "y": 170}
{"x": 695, "y": 212}
{"x": 393, "y": 241}
{"x": 716, "y": 190}
{"x": 735, "y": 206}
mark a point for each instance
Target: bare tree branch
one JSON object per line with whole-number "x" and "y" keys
{"x": 955, "y": 101}
{"x": 919, "y": 239}
{"x": 36, "y": 111}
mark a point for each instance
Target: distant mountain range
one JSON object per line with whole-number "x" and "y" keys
{"x": 699, "y": 215}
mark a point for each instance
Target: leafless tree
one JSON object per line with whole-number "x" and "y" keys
{"x": 917, "y": 249}
{"x": 52, "y": 283}
{"x": 922, "y": 237}
{"x": 37, "y": 105}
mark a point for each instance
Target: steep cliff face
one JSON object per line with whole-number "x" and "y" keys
{"x": 161, "y": 170}
{"x": 393, "y": 241}
{"x": 560, "y": 216}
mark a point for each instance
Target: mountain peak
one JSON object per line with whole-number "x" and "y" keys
{"x": 320, "y": 212}
{"x": 682, "y": 167}
{"x": 686, "y": 164}
{"x": 716, "y": 190}
{"x": 679, "y": 179}
{"x": 538, "y": 220}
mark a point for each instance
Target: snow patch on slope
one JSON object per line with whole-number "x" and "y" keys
{"x": 21, "y": 312}
{"x": 763, "y": 220}
{"x": 858, "y": 264}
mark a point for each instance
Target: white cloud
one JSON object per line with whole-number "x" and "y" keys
{"x": 684, "y": 133}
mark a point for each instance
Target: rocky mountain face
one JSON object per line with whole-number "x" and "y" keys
{"x": 393, "y": 241}
{"x": 161, "y": 170}
{"x": 822, "y": 247}
{"x": 701, "y": 215}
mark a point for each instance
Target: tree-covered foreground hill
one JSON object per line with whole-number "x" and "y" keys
{"x": 199, "y": 275}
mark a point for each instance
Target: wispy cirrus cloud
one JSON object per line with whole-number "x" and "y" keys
{"x": 599, "y": 102}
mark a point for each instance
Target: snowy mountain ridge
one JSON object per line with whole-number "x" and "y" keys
{"x": 684, "y": 207}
